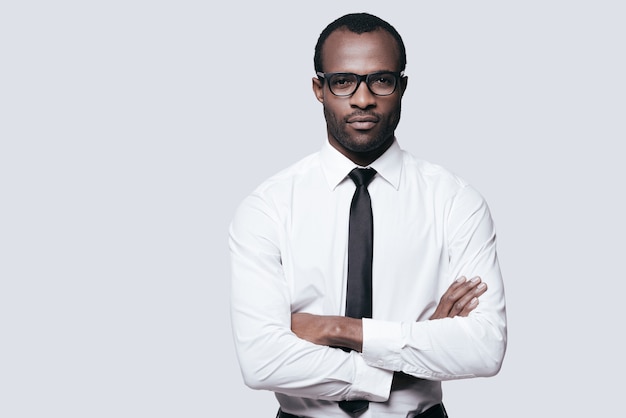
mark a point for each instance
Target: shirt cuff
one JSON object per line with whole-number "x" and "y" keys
{"x": 382, "y": 344}
{"x": 371, "y": 383}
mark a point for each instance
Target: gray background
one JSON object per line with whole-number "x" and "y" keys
{"x": 130, "y": 130}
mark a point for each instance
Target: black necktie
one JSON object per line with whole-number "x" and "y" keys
{"x": 360, "y": 247}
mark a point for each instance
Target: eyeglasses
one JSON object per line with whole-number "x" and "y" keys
{"x": 382, "y": 83}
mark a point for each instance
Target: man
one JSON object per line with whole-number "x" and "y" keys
{"x": 293, "y": 259}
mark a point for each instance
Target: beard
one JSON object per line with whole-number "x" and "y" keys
{"x": 367, "y": 141}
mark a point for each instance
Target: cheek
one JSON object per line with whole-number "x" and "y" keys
{"x": 333, "y": 108}
{"x": 393, "y": 110}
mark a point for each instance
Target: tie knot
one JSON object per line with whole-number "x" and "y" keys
{"x": 362, "y": 176}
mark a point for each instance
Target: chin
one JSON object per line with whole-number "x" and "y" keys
{"x": 365, "y": 145}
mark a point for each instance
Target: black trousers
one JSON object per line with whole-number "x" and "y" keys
{"x": 437, "y": 411}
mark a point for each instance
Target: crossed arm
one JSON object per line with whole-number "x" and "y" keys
{"x": 339, "y": 331}
{"x": 275, "y": 346}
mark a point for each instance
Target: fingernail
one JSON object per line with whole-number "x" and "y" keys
{"x": 474, "y": 302}
{"x": 475, "y": 279}
{"x": 481, "y": 286}
{"x": 461, "y": 279}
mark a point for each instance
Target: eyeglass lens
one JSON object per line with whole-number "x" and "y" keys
{"x": 345, "y": 84}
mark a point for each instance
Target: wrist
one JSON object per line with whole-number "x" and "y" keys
{"x": 346, "y": 332}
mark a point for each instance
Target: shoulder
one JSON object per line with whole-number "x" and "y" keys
{"x": 283, "y": 180}
{"x": 277, "y": 189}
{"x": 431, "y": 174}
{"x": 437, "y": 181}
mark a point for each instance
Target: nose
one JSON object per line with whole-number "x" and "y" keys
{"x": 363, "y": 98}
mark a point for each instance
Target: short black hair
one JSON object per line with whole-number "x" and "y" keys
{"x": 358, "y": 23}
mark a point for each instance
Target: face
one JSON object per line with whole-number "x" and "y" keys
{"x": 360, "y": 126}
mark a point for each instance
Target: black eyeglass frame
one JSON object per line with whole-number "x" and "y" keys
{"x": 397, "y": 74}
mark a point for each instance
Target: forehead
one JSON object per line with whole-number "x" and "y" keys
{"x": 363, "y": 53}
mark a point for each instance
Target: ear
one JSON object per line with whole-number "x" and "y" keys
{"x": 318, "y": 89}
{"x": 404, "y": 81}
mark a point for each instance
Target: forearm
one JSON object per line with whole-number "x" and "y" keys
{"x": 332, "y": 331}
{"x": 436, "y": 349}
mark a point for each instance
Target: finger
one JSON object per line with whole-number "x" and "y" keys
{"x": 457, "y": 283}
{"x": 457, "y": 297}
{"x": 446, "y": 302}
{"x": 455, "y": 286}
{"x": 470, "y": 301}
{"x": 459, "y": 289}
{"x": 480, "y": 289}
{"x": 454, "y": 296}
{"x": 473, "y": 303}
{"x": 463, "y": 296}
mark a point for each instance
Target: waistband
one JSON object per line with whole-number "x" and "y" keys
{"x": 436, "y": 411}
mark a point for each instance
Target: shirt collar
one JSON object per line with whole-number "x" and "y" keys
{"x": 336, "y": 166}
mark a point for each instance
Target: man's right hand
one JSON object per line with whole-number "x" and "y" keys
{"x": 460, "y": 299}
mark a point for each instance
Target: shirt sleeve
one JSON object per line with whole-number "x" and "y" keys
{"x": 270, "y": 355}
{"x": 460, "y": 347}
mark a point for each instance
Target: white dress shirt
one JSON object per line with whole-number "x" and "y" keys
{"x": 289, "y": 242}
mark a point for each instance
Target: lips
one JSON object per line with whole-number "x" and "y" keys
{"x": 362, "y": 122}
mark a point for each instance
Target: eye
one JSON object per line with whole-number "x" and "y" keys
{"x": 382, "y": 79}
{"x": 342, "y": 81}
